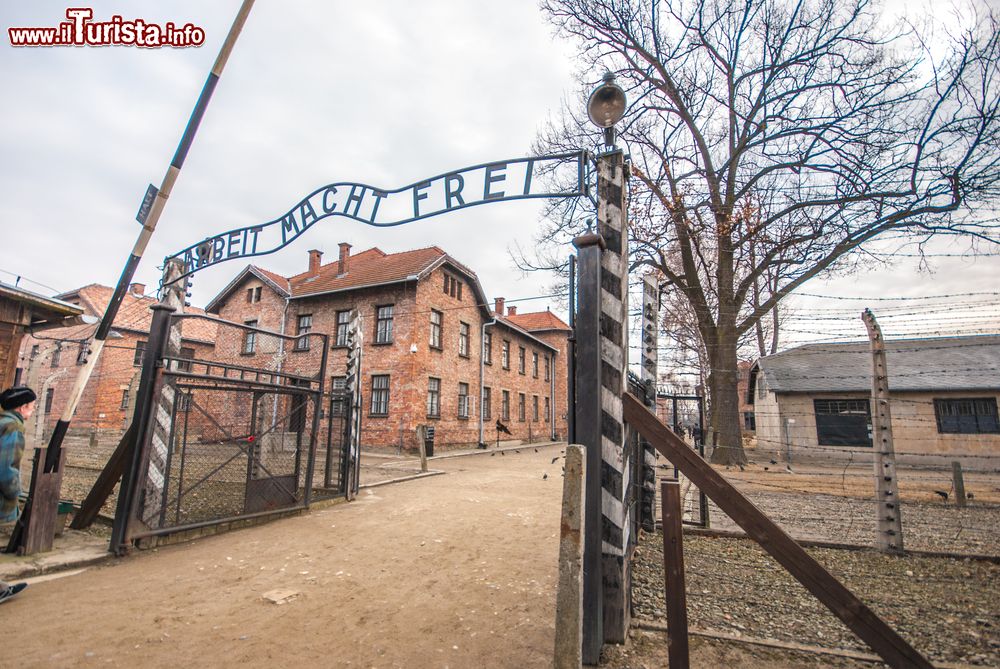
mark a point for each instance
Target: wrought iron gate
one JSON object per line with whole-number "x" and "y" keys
{"x": 241, "y": 424}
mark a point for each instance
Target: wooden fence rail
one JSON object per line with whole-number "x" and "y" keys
{"x": 822, "y": 584}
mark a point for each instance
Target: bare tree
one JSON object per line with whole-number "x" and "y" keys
{"x": 837, "y": 126}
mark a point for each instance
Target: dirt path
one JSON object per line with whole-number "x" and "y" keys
{"x": 449, "y": 571}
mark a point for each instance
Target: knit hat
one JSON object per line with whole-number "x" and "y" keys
{"x": 17, "y": 396}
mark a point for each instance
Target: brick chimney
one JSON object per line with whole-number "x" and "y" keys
{"x": 512, "y": 311}
{"x": 345, "y": 254}
{"x": 315, "y": 260}
{"x": 498, "y": 306}
{"x": 137, "y": 289}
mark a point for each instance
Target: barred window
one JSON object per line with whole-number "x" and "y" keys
{"x": 380, "y": 395}
{"x": 505, "y": 405}
{"x": 463, "y": 340}
{"x": 338, "y": 400}
{"x": 487, "y": 348}
{"x": 534, "y": 364}
{"x": 548, "y": 368}
{"x": 463, "y": 400}
{"x": 343, "y": 325}
{"x": 125, "y": 399}
{"x": 487, "y": 402}
{"x": 249, "y": 338}
{"x": 140, "y": 350}
{"x": 505, "y": 354}
{"x": 534, "y": 408}
{"x": 433, "y": 397}
{"x": 520, "y": 406}
{"x": 547, "y": 410}
{"x": 437, "y": 321}
{"x": 520, "y": 360}
{"x": 304, "y": 327}
{"x": 186, "y": 356}
{"x": 55, "y": 354}
{"x": 969, "y": 415}
{"x": 383, "y": 324}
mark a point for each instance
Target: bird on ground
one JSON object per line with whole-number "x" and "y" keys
{"x": 536, "y": 450}
{"x": 943, "y": 495}
{"x": 545, "y": 476}
{"x": 774, "y": 462}
{"x": 766, "y": 469}
{"x": 554, "y": 460}
{"x": 970, "y": 496}
{"x": 501, "y": 453}
{"x": 493, "y": 455}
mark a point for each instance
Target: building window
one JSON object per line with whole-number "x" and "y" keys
{"x": 967, "y": 415}
{"x": 380, "y": 395}
{"x": 520, "y": 360}
{"x": 520, "y": 406}
{"x": 184, "y": 402}
{"x": 534, "y": 364}
{"x": 383, "y": 324}
{"x": 338, "y": 388}
{"x": 463, "y": 340}
{"x": 124, "y": 399}
{"x": 505, "y": 354}
{"x": 487, "y": 348}
{"x": 304, "y": 327}
{"x": 548, "y": 368}
{"x": 433, "y": 397}
{"x": 843, "y": 422}
{"x": 140, "y": 349}
{"x": 487, "y": 403}
{"x": 34, "y": 351}
{"x": 505, "y": 405}
{"x": 437, "y": 320}
{"x": 749, "y": 421}
{"x": 463, "y": 400}
{"x": 82, "y": 351}
{"x": 55, "y": 354}
{"x": 249, "y": 338}
{"x": 343, "y": 325}
{"x": 547, "y": 410}
{"x": 186, "y": 356}
{"x": 48, "y": 399}
{"x": 253, "y": 294}
{"x": 534, "y": 408}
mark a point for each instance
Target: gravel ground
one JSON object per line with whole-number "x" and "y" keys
{"x": 947, "y": 608}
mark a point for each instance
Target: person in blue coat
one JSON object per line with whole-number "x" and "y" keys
{"x": 17, "y": 404}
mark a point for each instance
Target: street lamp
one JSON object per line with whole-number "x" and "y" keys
{"x": 606, "y": 106}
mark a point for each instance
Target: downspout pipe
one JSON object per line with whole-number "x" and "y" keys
{"x": 482, "y": 375}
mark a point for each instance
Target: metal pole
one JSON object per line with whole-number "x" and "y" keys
{"x": 571, "y": 357}
{"x": 587, "y": 432}
{"x": 146, "y": 400}
{"x": 128, "y": 272}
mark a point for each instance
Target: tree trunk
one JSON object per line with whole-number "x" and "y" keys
{"x": 726, "y": 402}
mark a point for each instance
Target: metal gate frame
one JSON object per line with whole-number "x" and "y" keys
{"x": 160, "y": 370}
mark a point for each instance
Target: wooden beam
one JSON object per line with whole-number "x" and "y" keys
{"x": 822, "y": 584}
{"x": 106, "y": 481}
{"x": 673, "y": 575}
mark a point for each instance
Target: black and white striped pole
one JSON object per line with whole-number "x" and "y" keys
{"x": 149, "y": 214}
{"x": 601, "y": 364}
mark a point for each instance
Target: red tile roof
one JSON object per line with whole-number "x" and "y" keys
{"x": 538, "y": 320}
{"x": 370, "y": 267}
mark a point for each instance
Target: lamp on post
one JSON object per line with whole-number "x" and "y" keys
{"x": 606, "y": 106}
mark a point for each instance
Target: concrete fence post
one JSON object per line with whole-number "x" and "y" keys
{"x": 569, "y": 597}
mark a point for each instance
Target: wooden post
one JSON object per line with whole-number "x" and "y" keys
{"x": 422, "y": 445}
{"x": 889, "y": 537}
{"x": 673, "y": 570}
{"x": 959, "y": 480}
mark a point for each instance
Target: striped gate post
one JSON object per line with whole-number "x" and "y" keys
{"x": 648, "y": 374}
{"x": 615, "y": 465}
{"x": 355, "y": 339}
{"x": 157, "y": 471}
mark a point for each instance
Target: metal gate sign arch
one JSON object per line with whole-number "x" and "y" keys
{"x": 498, "y": 181}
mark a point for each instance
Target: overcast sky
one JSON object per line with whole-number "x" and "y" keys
{"x": 386, "y": 93}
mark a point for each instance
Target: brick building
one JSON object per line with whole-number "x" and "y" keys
{"x": 49, "y": 361}
{"x": 435, "y": 353}
{"x": 20, "y": 311}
